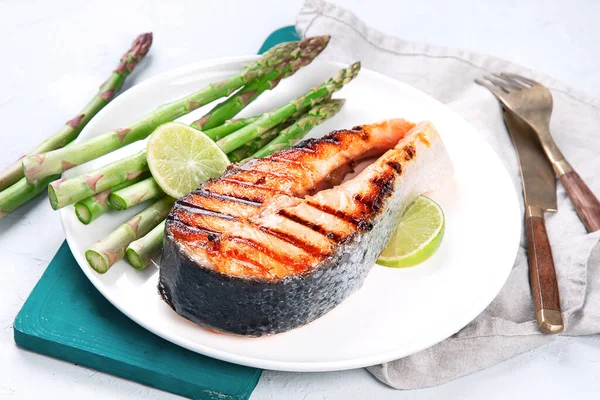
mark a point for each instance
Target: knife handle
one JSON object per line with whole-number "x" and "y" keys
{"x": 585, "y": 202}
{"x": 544, "y": 287}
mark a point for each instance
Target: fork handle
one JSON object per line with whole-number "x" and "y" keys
{"x": 542, "y": 274}
{"x": 585, "y": 202}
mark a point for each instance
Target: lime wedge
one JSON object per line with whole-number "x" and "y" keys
{"x": 180, "y": 158}
{"x": 418, "y": 236}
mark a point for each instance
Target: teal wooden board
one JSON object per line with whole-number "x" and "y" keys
{"x": 66, "y": 317}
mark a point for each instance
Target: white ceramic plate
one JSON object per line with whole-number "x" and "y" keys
{"x": 398, "y": 311}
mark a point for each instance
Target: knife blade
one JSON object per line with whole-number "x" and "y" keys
{"x": 537, "y": 173}
{"x": 539, "y": 192}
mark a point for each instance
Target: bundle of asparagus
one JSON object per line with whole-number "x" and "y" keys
{"x": 14, "y": 189}
{"x": 128, "y": 182}
{"x": 54, "y": 162}
{"x": 262, "y": 134}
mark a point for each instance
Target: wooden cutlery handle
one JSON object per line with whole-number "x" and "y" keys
{"x": 544, "y": 286}
{"x": 585, "y": 202}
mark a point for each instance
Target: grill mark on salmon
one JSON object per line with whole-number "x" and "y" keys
{"x": 294, "y": 240}
{"x": 196, "y": 209}
{"x": 286, "y": 260}
{"x": 243, "y": 190}
{"x": 249, "y": 178}
{"x": 245, "y": 259}
{"x": 238, "y": 198}
{"x": 191, "y": 234}
{"x": 374, "y": 200}
{"x": 351, "y": 219}
{"x": 395, "y": 165}
{"x": 312, "y": 225}
{"x": 409, "y": 152}
{"x": 221, "y": 204}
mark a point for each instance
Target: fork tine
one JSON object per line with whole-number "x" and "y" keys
{"x": 517, "y": 84}
{"x": 490, "y": 87}
{"x": 500, "y": 83}
{"x": 528, "y": 81}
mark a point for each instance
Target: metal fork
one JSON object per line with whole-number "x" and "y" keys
{"x": 532, "y": 102}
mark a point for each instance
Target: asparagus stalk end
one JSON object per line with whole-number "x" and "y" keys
{"x": 133, "y": 195}
{"x": 134, "y": 259}
{"x": 102, "y": 255}
{"x": 83, "y": 212}
{"x": 99, "y": 261}
{"x": 140, "y": 252}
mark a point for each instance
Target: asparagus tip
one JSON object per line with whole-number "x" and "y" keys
{"x": 138, "y": 50}
{"x": 319, "y": 42}
{"x": 144, "y": 41}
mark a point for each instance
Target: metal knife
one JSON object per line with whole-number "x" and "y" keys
{"x": 539, "y": 190}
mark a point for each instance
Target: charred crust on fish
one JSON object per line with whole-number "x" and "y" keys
{"x": 310, "y": 224}
{"x": 351, "y": 219}
{"x": 395, "y": 165}
{"x": 296, "y": 241}
{"x": 409, "y": 152}
{"x": 196, "y": 209}
{"x": 237, "y": 198}
{"x": 265, "y": 250}
{"x": 375, "y": 199}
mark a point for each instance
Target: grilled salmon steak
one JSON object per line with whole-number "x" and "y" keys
{"x": 266, "y": 247}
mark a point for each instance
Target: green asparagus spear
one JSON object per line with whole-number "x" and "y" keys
{"x": 228, "y": 127}
{"x": 102, "y": 255}
{"x": 306, "y": 52}
{"x": 135, "y": 194}
{"x": 291, "y": 135}
{"x": 67, "y": 191}
{"x": 39, "y": 166}
{"x": 254, "y": 145}
{"x": 20, "y": 193}
{"x": 140, "y": 252}
{"x": 233, "y": 125}
{"x": 271, "y": 119}
{"x": 87, "y": 210}
{"x": 72, "y": 128}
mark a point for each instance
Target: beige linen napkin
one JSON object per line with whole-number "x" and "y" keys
{"x": 507, "y": 327}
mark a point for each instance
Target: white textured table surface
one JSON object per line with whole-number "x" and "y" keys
{"x": 54, "y": 54}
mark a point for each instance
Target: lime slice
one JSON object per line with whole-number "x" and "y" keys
{"x": 181, "y": 158}
{"x": 417, "y": 237}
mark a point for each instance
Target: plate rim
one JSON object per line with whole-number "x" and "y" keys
{"x": 291, "y": 366}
